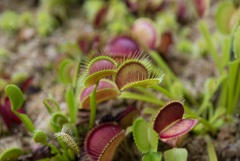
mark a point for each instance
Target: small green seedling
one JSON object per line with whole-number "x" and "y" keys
{"x": 16, "y": 98}
{"x": 146, "y": 140}
{"x": 9, "y": 21}
{"x": 45, "y": 23}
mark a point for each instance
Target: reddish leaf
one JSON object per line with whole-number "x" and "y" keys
{"x": 9, "y": 117}
{"x": 122, "y": 46}
{"x": 170, "y": 113}
{"x": 131, "y": 72}
{"x": 126, "y": 117}
{"x": 102, "y": 141}
{"x": 177, "y": 129}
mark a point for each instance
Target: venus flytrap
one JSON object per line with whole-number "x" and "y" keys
{"x": 122, "y": 47}
{"x": 137, "y": 72}
{"x": 63, "y": 132}
{"x": 101, "y": 142}
{"x": 58, "y": 119}
{"x": 126, "y": 118}
{"x": 96, "y": 12}
{"x": 170, "y": 124}
{"x": 66, "y": 136}
{"x": 146, "y": 28}
{"x": 106, "y": 90}
{"x": 98, "y": 68}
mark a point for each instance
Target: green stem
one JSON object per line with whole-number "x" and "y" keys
{"x": 144, "y": 91}
{"x": 93, "y": 106}
{"x": 233, "y": 85}
{"x": 222, "y": 101}
{"x": 162, "y": 90}
{"x": 210, "y": 149}
{"x": 26, "y": 121}
{"x": 208, "y": 125}
{"x": 72, "y": 105}
{"x": 161, "y": 64}
{"x": 134, "y": 96}
{"x": 76, "y": 76}
{"x": 226, "y": 46}
{"x": 205, "y": 32}
{"x": 204, "y": 105}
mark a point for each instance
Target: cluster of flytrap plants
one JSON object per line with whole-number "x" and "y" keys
{"x": 124, "y": 72}
{"x": 106, "y": 76}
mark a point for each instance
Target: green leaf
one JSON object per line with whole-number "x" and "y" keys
{"x": 11, "y": 154}
{"x": 72, "y": 105}
{"x": 152, "y": 156}
{"x": 59, "y": 119}
{"x": 144, "y": 136}
{"x": 51, "y": 105}
{"x": 65, "y": 70}
{"x": 179, "y": 153}
{"x": 16, "y": 98}
{"x": 236, "y": 42}
{"x": 15, "y": 95}
{"x": 233, "y": 85}
{"x": 223, "y": 16}
{"x": 26, "y": 121}
{"x": 212, "y": 156}
{"x": 40, "y": 137}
